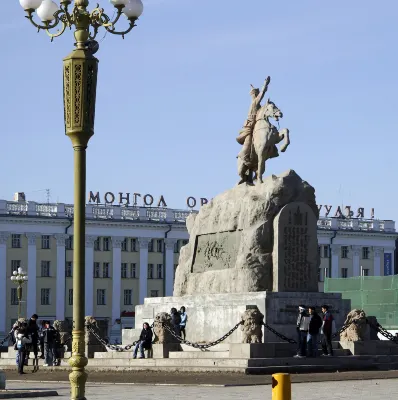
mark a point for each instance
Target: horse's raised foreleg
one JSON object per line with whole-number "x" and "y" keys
{"x": 261, "y": 167}
{"x": 284, "y": 134}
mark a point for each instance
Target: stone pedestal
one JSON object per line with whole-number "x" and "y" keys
{"x": 163, "y": 350}
{"x": 370, "y": 347}
{"x": 210, "y": 316}
{"x": 2, "y": 380}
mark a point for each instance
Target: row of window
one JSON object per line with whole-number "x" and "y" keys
{"x": 344, "y": 273}
{"x": 102, "y": 244}
{"x": 45, "y": 297}
{"x": 324, "y": 252}
{"x": 99, "y": 271}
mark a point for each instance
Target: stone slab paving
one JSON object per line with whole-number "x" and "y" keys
{"x": 386, "y": 389}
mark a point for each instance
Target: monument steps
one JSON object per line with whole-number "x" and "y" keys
{"x": 198, "y": 354}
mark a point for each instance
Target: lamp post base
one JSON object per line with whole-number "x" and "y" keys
{"x": 78, "y": 377}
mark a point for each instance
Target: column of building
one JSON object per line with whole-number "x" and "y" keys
{"x": 32, "y": 273}
{"x": 376, "y": 261}
{"x": 169, "y": 275}
{"x": 143, "y": 268}
{"x": 3, "y": 281}
{"x": 89, "y": 277}
{"x": 356, "y": 250}
{"x": 116, "y": 277}
{"x": 336, "y": 250}
{"x": 60, "y": 279}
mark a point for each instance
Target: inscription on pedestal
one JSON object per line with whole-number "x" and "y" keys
{"x": 216, "y": 251}
{"x": 295, "y": 255}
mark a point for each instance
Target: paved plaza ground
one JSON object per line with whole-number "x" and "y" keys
{"x": 353, "y": 390}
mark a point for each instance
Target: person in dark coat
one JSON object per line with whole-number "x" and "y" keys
{"x": 327, "y": 330}
{"x": 313, "y": 332}
{"x": 33, "y": 332}
{"x": 49, "y": 336}
{"x": 21, "y": 341}
{"x": 145, "y": 341}
{"x": 176, "y": 321}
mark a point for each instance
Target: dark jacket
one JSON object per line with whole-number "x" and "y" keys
{"x": 327, "y": 323}
{"x": 176, "y": 319}
{"x": 49, "y": 336}
{"x": 33, "y": 331}
{"x": 146, "y": 338}
{"x": 315, "y": 324}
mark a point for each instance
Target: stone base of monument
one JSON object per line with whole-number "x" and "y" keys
{"x": 210, "y": 316}
{"x": 2, "y": 380}
{"x": 370, "y": 347}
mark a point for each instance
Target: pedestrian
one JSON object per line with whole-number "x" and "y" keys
{"x": 313, "y": 332}
{"x": 41, "y": 339}
{"x": 183, "y": 323}
{"x": 144, "y": 342}
{"x": 22, "y": 340}
{"x": 49, "y": 337}
{"x": 57, "y": 347}
{"x": 302, "y": 331}
{"x": 175, "y": 321}
{"x": 327, "y": 330}
{"x": 33, "y": 331}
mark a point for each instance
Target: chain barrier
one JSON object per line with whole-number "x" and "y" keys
{"x": 378, "y": 328}
{"x": 280, "y": 335}
{"x": 203, "y": 346}
{"x": 5, "y": 339}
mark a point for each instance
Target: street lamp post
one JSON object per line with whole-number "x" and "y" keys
{"x": 19, "y": 277}
{"x": 80, "y": 82}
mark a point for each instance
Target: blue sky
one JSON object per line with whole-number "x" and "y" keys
{"x": 174, "y": 94}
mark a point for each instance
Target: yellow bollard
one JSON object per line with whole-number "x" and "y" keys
{"x": 281, "y": 387}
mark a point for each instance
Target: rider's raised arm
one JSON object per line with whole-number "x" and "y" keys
{"x": 263, "y": 90}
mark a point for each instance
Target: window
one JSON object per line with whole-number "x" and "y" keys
{"x": 150, "y": 246}
{"x": 105, "y": 270}
{"x": 176, "y": 248}
{"x": 184, "y": 242}
{"x": 14, "y": 297}
{"x": 106, "y": 244}
{"x": 97, "y": 246}
{"x": 45, "y": 297}
{"x": 160, "y": 246}
{"x": 344, "y": 272}
{"x": 45, "y": 268}
{"x": 159, "y": 271}
{"x": 96, "y": 272}
{"x": 133, "y": 244}
{"x": 327, "y": 272}
{"x": 133, "y": 270}
{"x": 70, "y": 297}
{"x": 344, "y": 252}
{"x": 124, "y": 245}
{"x": 69, "y": 243}
{"x": 319, "y": 251}
{"x": 101, "y": 297}
{"x": 123, "y": 271}
{"x": 69, "y": 269}
{"x": 128, "y": 297}
{"x": 365, "y": 272}
{"x": 15, "y": 241}
{"x": 45, "y": 242}
{"x": 365, "y": 253}
{"x": 154, "y": 293}
{"x": 150, "y": 271}
{"x": 15, "y": 264}
{"x": 325, "y": 251}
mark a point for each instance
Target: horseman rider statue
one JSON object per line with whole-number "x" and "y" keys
{"x": 248, "y": 159}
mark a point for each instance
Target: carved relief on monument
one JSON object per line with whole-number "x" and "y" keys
{"x": 216, "y": 251}
{"x": 295, "y": 255}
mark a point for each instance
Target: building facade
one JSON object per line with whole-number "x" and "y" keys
{"x": 132, "y": 253}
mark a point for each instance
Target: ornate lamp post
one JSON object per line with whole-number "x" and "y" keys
{"x": 19, "y": 277}
{"x": 80, "y": 82}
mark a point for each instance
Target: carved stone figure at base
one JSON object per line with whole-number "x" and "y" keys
{"x": 252, "y": 325}
{"x": 64, "y": 333}
{"x": 163, "y": 335}
{"x": 356, "y": 332}
{"x": 89, "y": 337}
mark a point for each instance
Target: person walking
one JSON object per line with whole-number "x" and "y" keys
{"x": 144, "y": 342}
{"x": 22, "y": 340}
{"x": 183, "y": 323}
{"x": 327, "y": 330}
{"x": 175, "y": 321}
{"x": 314, "y": 327}
{"x": 302, "y": 331}
{"x": 49, "y": 336}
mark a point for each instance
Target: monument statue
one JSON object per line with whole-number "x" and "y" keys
{"x": 259, "y": 137}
